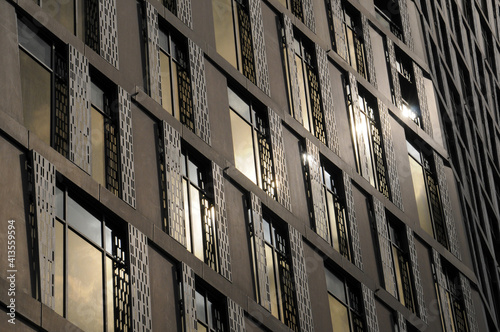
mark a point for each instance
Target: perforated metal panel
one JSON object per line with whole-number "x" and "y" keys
{"x": 385, "y": 247}
{"x": 469, "y": 304}
{"x": 339, "y": 28}
{"x": 325, "y": 83}
{"x": 367, "y": 42}
{"x": 79, "y": 110}
{"x": 370, "y": 309}
{"x": 236, "y": 316}
{"x": 44, "y": 180}
{"x": 184, "y": 12}
{"x": 126, "y": 147}
{"x": 279, "y": 159}
{"x": 309, "y": 14}
{"x": 175, "y": 200}
{"x": 300, "y": 279}
{"x": 419, "y": 289}
{"x": 188, "y": 298}
{"x": 198, "y": 81}
{"x": 108, "y": 31}
{"x": 446, "y": 205}
{"x": 221, "y": 222}
{"x": 292, "y": 69}
{"x": 139, "y": 277}
{"x": 401, "y": 321}
{"x": 396, "y": 88}
{"x": 260, "y": 253}
{"x": 405, "y": 21}
{"x": 353, "y": 225}
{"x": 441, "y": 280}
{"x": 390, "y": 155}
{"x": 422, "y": 100}
{"x": 153, "y": 46}
{"x": 259, "y": 46}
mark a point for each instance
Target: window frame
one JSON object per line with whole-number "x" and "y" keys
{"x": 218, "y": 305}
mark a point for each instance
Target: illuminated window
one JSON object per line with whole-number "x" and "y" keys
{"x": 346, "y": 310}
{"x": 91, "y": 280}
{"x": 427, "y": 195}
{"x": 367, "y": 140}
{"x": 388, "y": 13}
{"x": 210, "y": 310}
{"x": 233, "y": 35}
{"x": 251, "y": 142}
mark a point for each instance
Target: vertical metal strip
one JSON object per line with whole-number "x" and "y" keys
{"x": 188, "y": 298}
{"x": 390, "y": 155}
{"x": 260, "y": 253}
{"x": 367, "y": 41}
{"x": 446, "y": 205}
{"x": 175, "y": 198}
{"x": 422, "y": 100}
{"x": 199, "y": 85}
{"x": 221, "y": 222}
{"x": 108, "y": 31}
{"x": 469, "y": 304}
{"x": 259, "y": 46}
{"x": 370, "y": 309}
{"x": 325, "y": 83}
{"x": 139, "y": 277}
{"x": 339, "y": 28}
{"x": 184, "y": 12}
{"x": 385, "y": 247}
{"x": 441, "y": 281}
{"x": 236, "y": 316}
{"x": 419, "y": 289}
{"x": 292, "y": 69}
{"x": 405, "y": 21}
{"x": 44, "y": 180}
{"x": 126, "y": 147}
{"x": 401, "y": 321}
{"x": 309, "y": 14}
{"x": 396, "y": 87}
{"x": 279, "y": 160}
{"x": 301, "y": 280}
{"x": 79, "y": 110}
{"x": 153, "y": 40}
{"x": 353, "y": 224}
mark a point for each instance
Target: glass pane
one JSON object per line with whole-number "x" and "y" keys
{"x": 421, "y": 196}
{"x": 83, "y": 221}
{"x": 59, "y": 269}
{"x": 35, "y": 87}
{"x": 339, "y": 315}
{"x": 333, "y": 220}
{"x": 413, "y": 152}
{"x": 80, "y": 20}
{"x": 335, "y": 286}
{"x": 224, "y": 30}
{"x": 97, "y": 97}
{"x": 65, "y": 14}
{"x": 34, "y": 44}
{"x": 175, "y": 91}
{"x": 186, "y": 214}
{"x": 109, "y": 295}
{"x": 243, "y": 147}
{"x": 166, "y": 89}
{"x": 239, "y": 105}
{"x": 196, "y": 222}
{"x": 201, "y": 313}
{"x": 397, "y": 272}
{"x": 302, "y": 92}
{"x": 192, "y": 172}
{"x": 164, "y": 44}
{"x": 85, "y": 291}
{"x": 59, "y": 203}
{"x": 109, "y": 239}
{"x": 98, "y": 147}
{"x": 201, "y": 328}
{"x": 352, "y": 50}
{"x": 271, "y": 272}
{"x": 267, "y": 231}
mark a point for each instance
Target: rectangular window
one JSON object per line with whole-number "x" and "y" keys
{"x": 210, "y": 309}
{"x": 251, "y": 142}
{"x": 295, "y": 7}
{"x": 233, "y": 35}
{"x": 91, "y": 281}
{"x": 388, "y": 13}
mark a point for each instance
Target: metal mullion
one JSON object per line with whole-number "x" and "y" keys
{"x": 188, "y": 192}
{"x": 104, "y": 274}
{"x": 65, "y": 254}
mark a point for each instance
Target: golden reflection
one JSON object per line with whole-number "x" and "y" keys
{"x": 424, "y": 214}
{"x": 59, "y": 269}
{"x": 339, "y": 315}
{"x": 98, "y": 149}
{"x": 166, "y": 92}
{"x": 224, "y": 30}
{"x": 243, "y": 147}
{"x": 196, "y": 225}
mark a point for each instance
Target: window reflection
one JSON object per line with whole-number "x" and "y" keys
{"x": 243, "y": 147}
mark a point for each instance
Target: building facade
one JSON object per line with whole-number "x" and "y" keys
{"x": 247, "y": 165}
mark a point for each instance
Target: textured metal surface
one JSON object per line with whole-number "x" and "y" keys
{"x": 108, "y": 31}
{"x": 199, "y": 84}
{"x": 367, "y": 42}
{"x": 446, "y": 205}
{"x": 153, "y": 45}
{"x": 259, "y": 46}
{"x": 385, "y": 247}
{"x": 390, "y": 155}
{"x": 401, "y": 321}
{"x": 396, "y": 87}
{"x": 441, "y": 281}
{"x": 419, "y": 289}
{"x": 188, "y": 298}
{"x": 405, "y": 22}
{"x": 139, "y": 277}
{"x": 309, "y": 14}
{"x": 292, "y": 70}
{"x": 184, "y": 12}
{"x": 175, "y": 199}
{"x": 79, "y": 110}
{"x": 126, "y": 147}
{"x": 422, "y": 100}
{"x": 370, "y": 309}
{"x": 44, "y": 179}
{"x": 236, "y": 316}
{"x": 353, "y": 225}
{"x": 317, "y": 192}
{"x": 300, "y": 279}
{"x": 61, "y": 105}
{"x": 469, "y": 303}
{"x": 325, "y": 83}
{"x": 260, "y": 253}
{"x": 245, "y": 42}
{"x": 339, "y": 28}
{"x": 221, "y": 222}
{"x": 279, "y": 159}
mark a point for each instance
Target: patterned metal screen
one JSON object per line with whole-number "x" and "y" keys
{"x": 437, "y": 213}
{"x": 113, "y": 182}
{"x": 259, "y": 46}
{"x": 171, "y": 6}
{"x": 316, "y": 102}
{"x": 121, "y": 286}
{"x": 185, "y": 96}
{"x": 379, "y": 156}
{"x": 61, "y": 106}
{"x": 297, "y": 10}
{"x": 92, "y": 32}
{"x": 245, "y": 29}
{"x": 265, "y": 156}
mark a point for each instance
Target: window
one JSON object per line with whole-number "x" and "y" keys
{"x": 91, "y": 280}
{"x": 171, "y": 5}
{"x": 408, "y": 87}
{"x": 427, "y": 195}
{"x": 210, "y": 310}
{"x": 367, "y": 139}
{"x": 345, "y": 304}
{"x": 388, "y": 13}
{"x": 233, "y": 35}
{"x": 309, "y": 92}
{"x": 44, "y": 87}
{"x": 176, "y": 93}
{"x": 351, "y": 34}
{"x": 295, "y": 7}
{"x": 251, "y": 142}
